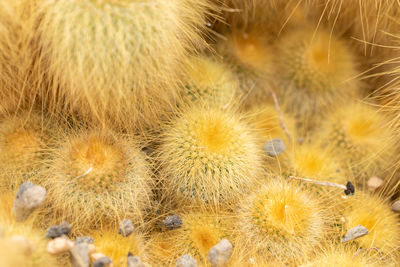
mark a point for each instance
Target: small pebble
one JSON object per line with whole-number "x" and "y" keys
{"x": 59, "y": 245}
{"x": 28, "y": 198}
{"x": 219, "y": 254}
{"x": 134, "y": 261}
{"x": 374, "y": 183}
{"x": 84, "y": 239}
{"x": 58, "y": 230}
{"x": 274, "y": 147}
{"x": 125, "y": 227}
{"x": 96, "y": 256}
{"x": 186, "y": 261}
{"x": 102, "y": 262}
{"x": 355, "y": 233}
{"x": 396, "y": 206}
{"x": 172, "y": 222}
{"x": 80, "y": 255}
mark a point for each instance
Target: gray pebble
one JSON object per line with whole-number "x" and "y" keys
{"x": 134, "y": 261}
{"x": 102, "y": 262}
{"x": 172, "y": 222}
{"x": 84, "y": 239}
{"x": 355, "y": 233}
{"x": 58, "y": 230}
{"x": 219, "y": 254}
{"x": 126, "y": 227}
{"x": 80, "y": 255}
{"x": 396, "y": 206}
{"x": 28, "y": 198}
{"x": 186, "y": 261}
{"x": 274, "y": 147}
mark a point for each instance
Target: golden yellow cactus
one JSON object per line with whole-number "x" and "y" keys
{"x": 359, "y": 134}
{"x": 316, "y": 70}
{"x": 116, "y": 62}
{"x": 376, "y": 215}
{"x": 21, "y": 243}
{"x": 209, "y": 156}
{"x": 209, "y": 81}
{"x": 24, "y": 148}
{"x": 98, "y": 179}
{"x": 281, "y": 221}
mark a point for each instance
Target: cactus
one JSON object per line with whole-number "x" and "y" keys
{"x": 97, "y": 179}
{"x": 316, "y": 71}
{"x": 116, "y": 62}
{"x": 361, "y": 138}
{"x": 376, "y": 215}
{"x": 209, "y": 81}
{"x": 117, "y": 247}
{"x": 208, "y": 156}
{"x": 21, "y": 243}
{"x": 24, "y": 148}
{"x": 281, "y": 221}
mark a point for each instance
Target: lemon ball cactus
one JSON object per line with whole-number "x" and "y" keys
{"x": 21, "y": 243}
{"x": 316, "y": 71}
{"x": 359, "y": 134}
{"x": 98, "y": 179}
{"x": 24, "y": 148}
{"x": 281, "y": 221}
{"x": 208, "y": 156}
{"x": 200, "y": 231}
{"x": 376, "y": 215}
{"x": 209, "y": 81}
{"x": 117, "y": 62}
{"x": 117, "y": 247}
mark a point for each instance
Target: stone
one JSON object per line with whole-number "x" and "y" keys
{"x": 374, "y": 183}
{"x": 96, "y": 256}
{"x": 84, "y": 239}
{"x": 172, "y": 222}
{"x": 126, "y": 227}
{"x": 396, "y": 206}
{"x": 219, "y": 254}
{"x": 23, "y": 243}
{"x": 102, "y": 262}
{"x": 80, "y": 255}
{"x": 59, "y": 245}
{"x": 354, "y": 233}
{"x": 186, "y": 261}
{"x": 274, "y": 147}
{"x": 58, "y": 230}
{"x": 28, "y": 198}
{"x": 135, "y": 261}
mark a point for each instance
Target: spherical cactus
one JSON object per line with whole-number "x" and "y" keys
{"x": 376, "y": 215}
{"x": 117, "y": 247}
{"x": 20, "y": 242}
{"x": 116, "y": 62}
{"x": 24, "y": 145}
{"x": 200, "y": 231}
{"x": 361, "y": 138}
{"x": 316, "y": 71}
{"x": 209, "y": 81}
{"x": 342, "y": 256}
{"x": 98, "y": 179}
{"x": 280, "y": 219}
{"x": 209, "y": 156}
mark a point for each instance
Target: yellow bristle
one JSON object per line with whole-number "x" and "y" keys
{"x": 376, "y": 215}
{"x": 117, "y": 247}
{"x": 117, "y": 62}
{"x": 209, "y": 156}
{"x": 209, "y": 81}
{"x": 98, "y": 179}
{"x": 361, "y": 138}
{"x": 281, "y": 221}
